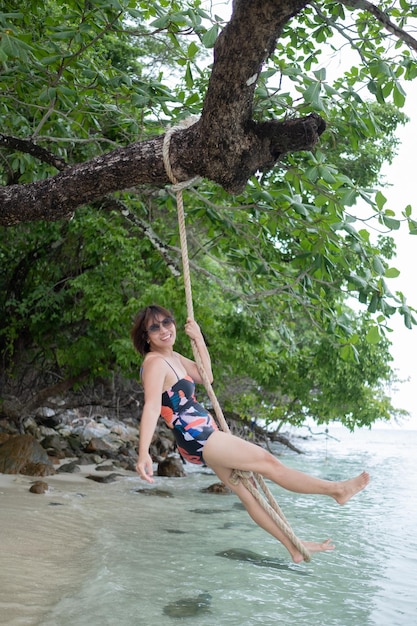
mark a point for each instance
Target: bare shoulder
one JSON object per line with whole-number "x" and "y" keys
{"x": 154, "y": 372}
{"x": 153, "y": 364}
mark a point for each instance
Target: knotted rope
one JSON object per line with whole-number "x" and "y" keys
{"x": 269, "y": 504}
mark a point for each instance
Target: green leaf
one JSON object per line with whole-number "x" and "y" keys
{"x": 374, "y": 303}
{"x": 210, "y": 36}
{"x": 412, "y": 226}
{"x": 346, "y": 352}
{"x": 326, "y": 174}
{"x": 373, "y": 335}
{"x": 349, "y": 197}
{"x": 392, "y": 272}
{"x": 64, "y": 35}
{"x": 189, "y": 81}
{"x": 380, "y": 200}
{"x": 192, "y": 50}
{"x": 312, "y": 94}
{"x": 408, "y": 321}
{"x": 398, "y": 95}
{"x": 358, "y": 281}
{"x": 49, "y": 60}
{"x": 162, "y": 22}
{"x": 378, "y": 266}
{"x": 407, "y": 211}
{"x": 391, "y": 223}
{"x": 320, "y": 74}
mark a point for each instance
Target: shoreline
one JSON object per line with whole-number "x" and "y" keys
{"x": 46, "y": 542}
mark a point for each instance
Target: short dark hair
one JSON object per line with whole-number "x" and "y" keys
{"x": 139, "y": 333}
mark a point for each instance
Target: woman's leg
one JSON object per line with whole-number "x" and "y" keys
{"x": 263, "y": 519}
{"x": 227, "y": 451}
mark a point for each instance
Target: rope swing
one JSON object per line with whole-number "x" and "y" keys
{"x": 248, "y": 479}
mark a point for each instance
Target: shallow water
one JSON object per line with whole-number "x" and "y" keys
{"x": 88, "y": 554}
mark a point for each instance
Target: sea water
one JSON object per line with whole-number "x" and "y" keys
{"x": 89, "y": 554}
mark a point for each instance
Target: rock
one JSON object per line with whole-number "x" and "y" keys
{"x": 126, "y": 433}
{"x": 218, "y": 488}
{"x": 64, "y": 430}
{"x": 127, "y": 464}
{"x": 3, "y": 437}
{"x": 86, "y": 459}
{"x": 188, "y": 607}
{"x": 45, "y": 411}
{"x": 102, "y": 445}
{"x": 208, "y": 511}
{"x": 162, "y": 446}
{"x": 75, "y": 445}
{"x": 162, "y": 493}
{"x": 110, "y": 478}
{"x": 22, "y": 454}
{"x": 55, "y": 460}
{"x": 48, "y": 417}
{"x": 69, "y": 468}
{"x": 6, "y": 426}
{"x": 105, "y": 468}
{"x": 128, "y": 450}
{"x": 92, "y": 430}
{"x": 171, "y": 467}
{"x": 54, "y": 446}
{"x": 127, "y": 457}
{"x": 241, "y": 554}
{"x": 30, "y": 427}
{"x": 46, "y": 431}
{"x": 39, "y": 487}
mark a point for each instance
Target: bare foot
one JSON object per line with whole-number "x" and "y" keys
{"x": 312, "y": 546}
{"x": 345, "y": 489}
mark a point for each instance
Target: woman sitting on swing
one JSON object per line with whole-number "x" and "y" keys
{"x": 169, "y": 383}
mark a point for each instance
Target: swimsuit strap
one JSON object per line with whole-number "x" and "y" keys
{"x": 141, "y": 370}
{"x": 178, "y": 378}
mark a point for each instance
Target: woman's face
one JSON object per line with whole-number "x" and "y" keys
{"x": 161, "y": 332}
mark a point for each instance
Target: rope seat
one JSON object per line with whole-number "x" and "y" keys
{"x": 248, "y": 479}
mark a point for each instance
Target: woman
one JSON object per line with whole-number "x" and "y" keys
{"x": 169, "y": 381}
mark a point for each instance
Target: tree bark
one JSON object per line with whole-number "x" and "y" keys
{"x": 225, "y": 145}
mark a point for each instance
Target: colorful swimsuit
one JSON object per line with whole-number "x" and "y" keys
{"x": 191, "y": 423}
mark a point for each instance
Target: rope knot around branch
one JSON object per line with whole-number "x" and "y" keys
{"x": 177, "y": 186}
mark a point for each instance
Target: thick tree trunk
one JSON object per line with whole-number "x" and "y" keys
{"x": 225, "y": 145}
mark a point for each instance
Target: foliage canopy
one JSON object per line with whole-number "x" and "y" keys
{"x": 277, "y": 268}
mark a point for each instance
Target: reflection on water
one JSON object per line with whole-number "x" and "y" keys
{"x": 116, "y": 556}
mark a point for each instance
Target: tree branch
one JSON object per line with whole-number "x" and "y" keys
{"x": 225, "y": 146}
{"x": 30, "y": 147}
{"x": 383, "y": 19}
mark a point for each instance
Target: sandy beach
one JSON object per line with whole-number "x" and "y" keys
{"x": 43, "y": 542}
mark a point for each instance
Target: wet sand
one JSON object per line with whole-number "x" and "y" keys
{"x": 43, "y": 540}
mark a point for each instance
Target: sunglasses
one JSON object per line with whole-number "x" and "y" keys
{"x": 165, "y": 323}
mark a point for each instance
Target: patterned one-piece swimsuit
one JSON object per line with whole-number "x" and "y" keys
{"x": 191, "y": 423}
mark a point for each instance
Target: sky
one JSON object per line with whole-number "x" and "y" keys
{"x": 402, "y": 176}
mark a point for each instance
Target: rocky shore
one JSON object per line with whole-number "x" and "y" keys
{"x": 54, "y": 443}
{"x": 67, "y": 434}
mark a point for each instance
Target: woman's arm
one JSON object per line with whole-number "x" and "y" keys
{"x": 153, "y": 379}
{"x": 193, "y": 331}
